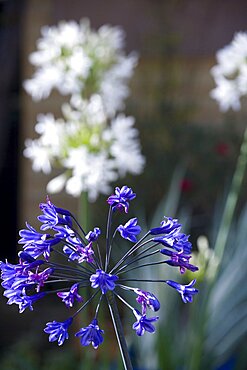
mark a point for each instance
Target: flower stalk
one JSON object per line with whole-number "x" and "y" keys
{"x": 119, "y": 330}
{"x": 232, "y": 199}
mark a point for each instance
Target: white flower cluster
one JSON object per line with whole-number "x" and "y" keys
{"x": 94, "y": 143}
{"x": 230, "y": 74}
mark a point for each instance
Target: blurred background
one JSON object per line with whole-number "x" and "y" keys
{"x": 191, "y": 151}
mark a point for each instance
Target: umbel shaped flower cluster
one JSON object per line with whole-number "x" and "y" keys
{"x": 83, "y": 262}
{"x": 230, "y": 73}
{"x": 94, "y": 143}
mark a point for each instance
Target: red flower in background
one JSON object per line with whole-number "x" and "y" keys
{"x": 222, "y": 149}
{"x": 186, "y": 185}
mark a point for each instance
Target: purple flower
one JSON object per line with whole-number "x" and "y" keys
{"x": 19, "y": 297}
{"x": 8, "y": 274}
{"x": 69, "y": 297}
{"x": 181, "y": 243}
{"x": 31, "y": 236}
{"x": 147, "y": 299}
{"x": 92, "y": 236}
{"x": 51, "y": 215}
{"x": 81, "y": 254}
{"x": 86, "y": 254}
{"x": 130, "y": 230}
{"x": 71, "y": 253}
{"x": 63, "y": 232}
{"x": 36, "y": 243}
{"x": 168, "y": 225}
{"x": 186, "y": 291}
{"x": 13, "y": 295}
{"x": 28, "y": 301}
{"x": 58, "y": 330}
{"x": 120, "y": 200}
{"x": 180, "y": 260}
{"x": 91, "y": 334}
{"x": 36, "y": 250}
{"x": 26, "y": 257}
{"x": 103, "y": 280}
{"x": 143, "y": 323}
{"x": 40, "y": 277}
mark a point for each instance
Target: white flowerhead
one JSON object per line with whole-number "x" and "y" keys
{"x": 230, "y": 74}
{"x": 75, "y": 59}
{"x": 93, "y": 144}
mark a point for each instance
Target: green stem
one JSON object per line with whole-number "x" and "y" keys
{"x": 119, "y": 330}
{"x": 83, "y": 212}
{"x": 232, "y": 199}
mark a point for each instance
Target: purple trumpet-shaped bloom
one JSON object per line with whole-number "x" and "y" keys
{"x": 31, "y": 236}
{"x": 19, "y": 297}
{"x": 103, "y": 281}
{"x": 36, "y": 250}
{"x": 120, "y": 200}
{"x": 71, "y": 253}
{"x": 28, "y": 301}
{"x": 187, "y": 291}
{"x": 86, "y": 254}
{"x": 51, "y": 217}
{"x": 81, "y": 254}
{"x": 69, "y": 297}
{"x": 143, "y": 323}
{"x": 91, "y": 334}
{"x": 36, "y": 243}
{"x": 8, "y": 274}
{"x": 92, "y": 236}
{"x": 130, "y": 230}
{"x": 63, "y": 232}
{"x": 147, "y": 299}
{"x": 168, "y": 225}
{"x": 14, "y": 276}
{"x": 58, "y": 330}
{"x": 180, "y": 260}
{"x": 28, "y": 262}
{"x": 181, "y": 243}
{"x": 14, "y": 295}
{"x": 40, "y": 277}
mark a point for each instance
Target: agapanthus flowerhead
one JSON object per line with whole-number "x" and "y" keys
{"x": 81, "y": 265}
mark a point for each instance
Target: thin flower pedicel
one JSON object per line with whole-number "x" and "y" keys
{"x": 37, "y": 275}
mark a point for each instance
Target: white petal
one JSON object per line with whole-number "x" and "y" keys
{"x": 57, "y": 184}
